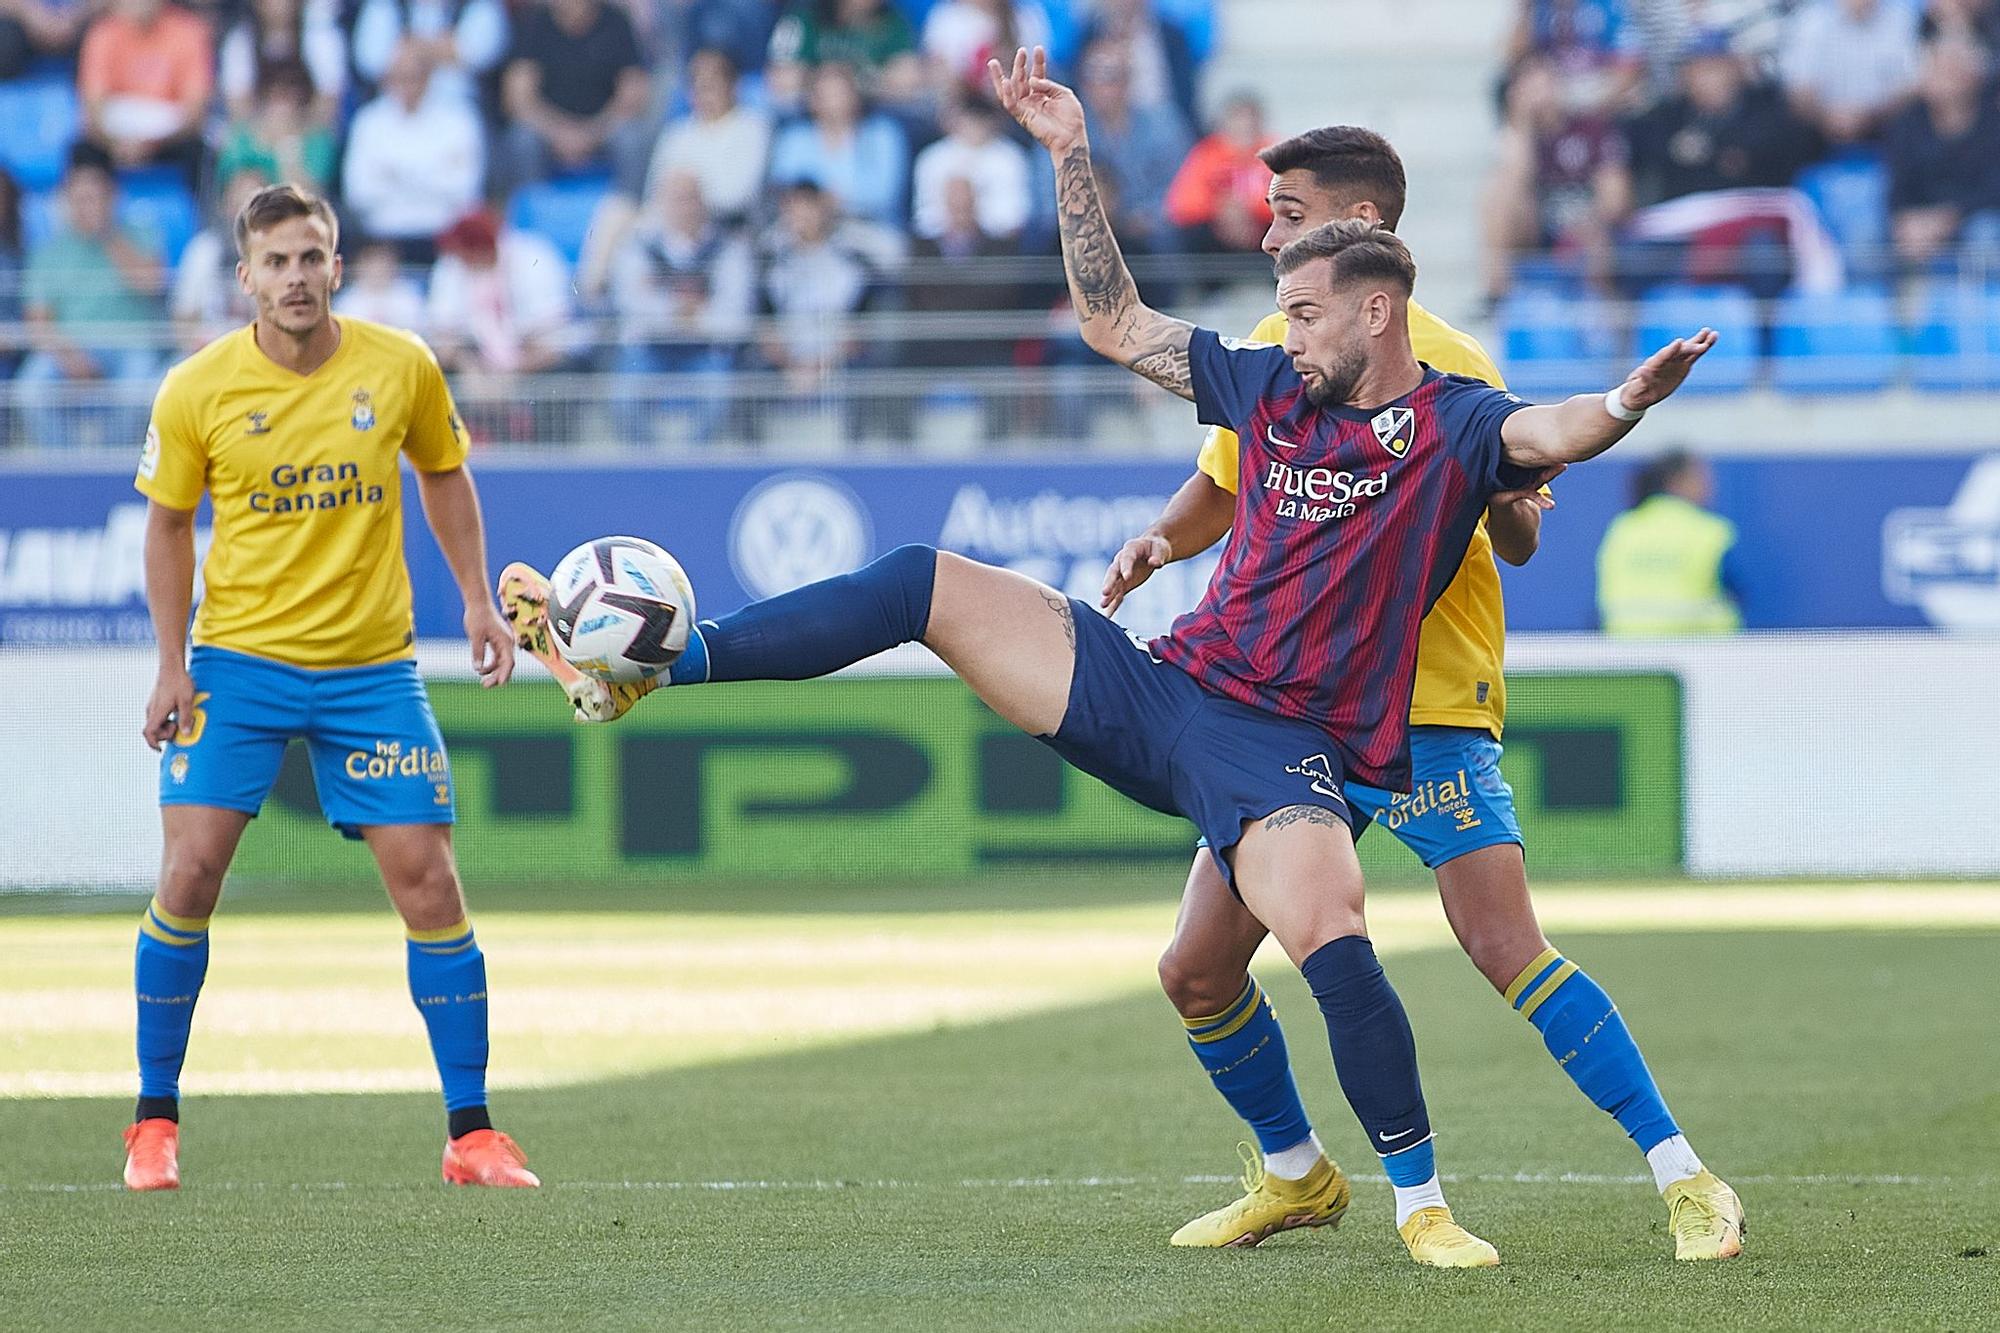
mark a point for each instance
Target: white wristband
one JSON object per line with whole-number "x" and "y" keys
{"x": 1616, "y": 406}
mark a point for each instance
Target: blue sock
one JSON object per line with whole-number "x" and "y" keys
{"x": 819, "y": 628}
{"x": 167, "y": 972}
{"x": 448, "y": 982}
{"x": 1588, "y": 1038}
{"x": 1374, "y": 1052}
{"x": 1243, "y": 1050}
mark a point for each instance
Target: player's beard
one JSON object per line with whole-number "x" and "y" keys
{"x": 1336, "y": 381}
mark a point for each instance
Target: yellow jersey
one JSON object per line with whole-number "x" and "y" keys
{"x": 1464, "y": 639}
{"x": 306, "y": 564}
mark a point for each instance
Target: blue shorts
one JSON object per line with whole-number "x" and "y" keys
{"x": 1458, "y": 801}
{"x": 1149, "y": 730}
{"x": 377, "y": 757}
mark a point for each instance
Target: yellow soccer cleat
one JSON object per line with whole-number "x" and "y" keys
{"x": 524, "y": 600}
{"x": 1270, "y": 1205}
{"x": 1436, "y": 1240}
{"x": 1705, "y": 1216}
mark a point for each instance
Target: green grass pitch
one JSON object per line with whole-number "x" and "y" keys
{"x": 971, "y": 1167}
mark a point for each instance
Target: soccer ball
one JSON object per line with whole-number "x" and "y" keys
{"x": 620, "y": 609}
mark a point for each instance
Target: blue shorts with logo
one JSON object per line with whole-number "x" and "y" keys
{"x": 1149, "y": 730}
{"x": 377, "y": 757}
{"x": 1457, "y": 803}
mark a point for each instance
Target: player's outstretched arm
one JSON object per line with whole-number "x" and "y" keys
{"x": 1194, "y": 520}
{"x": 451, "y": 505}
{"x": 1115, "y": 323}
{"x": 1588, "y": 424}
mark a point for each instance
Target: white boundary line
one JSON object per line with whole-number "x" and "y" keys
{"x": 1016, "y": 1183}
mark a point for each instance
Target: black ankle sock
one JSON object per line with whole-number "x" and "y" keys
{"x": 158, "y": 1108}
{"x": 465, "y": 1121}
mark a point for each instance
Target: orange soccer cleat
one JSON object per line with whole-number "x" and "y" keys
{"x": 152, "y": 1155}
{"x": 487, "y": 1157}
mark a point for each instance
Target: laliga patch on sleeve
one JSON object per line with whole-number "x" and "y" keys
{"x": 1242, "y": 344}
{"x": 149, "y": 455}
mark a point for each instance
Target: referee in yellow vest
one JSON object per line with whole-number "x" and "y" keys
{"x": 1665, "y": 566}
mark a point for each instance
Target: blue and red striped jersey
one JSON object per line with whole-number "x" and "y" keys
{"x": 1349, "y": 524}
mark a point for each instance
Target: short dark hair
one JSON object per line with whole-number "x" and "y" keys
{"x": 281, "y": 203}
{"x": 1361, "y": 251}
{"x": 1657, "y": 474}
{"x": 86, "y": 156}
{"x": 1348, "y": 159}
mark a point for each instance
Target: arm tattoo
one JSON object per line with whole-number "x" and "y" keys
{"x": 1098, "y": 278}
{"x": 1102, "y": 290}
{"x": 1167, "y": 367}
{"x": 1060, "y": 605}
{"x": 1310, "y": 814}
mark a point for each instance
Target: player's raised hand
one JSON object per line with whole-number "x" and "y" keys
{"x": 493, "y": 644}
{"x": 170, "y": 707}
{"x": 1045, "y": 108}
{"x": 1664, "y": 371}
{"x": 1133, "y": 565}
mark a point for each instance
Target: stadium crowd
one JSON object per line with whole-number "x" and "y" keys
{"x": 577, "y": 185}
{"x": 1758, "y": 150}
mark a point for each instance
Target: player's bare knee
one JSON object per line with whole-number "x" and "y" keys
{"x": 428, "y": 895}
{"x": 191, "y": 879}
{"x": 1197, "y": 988}
{"x": 1500, "y": 954}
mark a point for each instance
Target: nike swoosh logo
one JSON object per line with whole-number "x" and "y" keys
{"x": 1271, "y": 434}
{"x": 1391, "y": 1138}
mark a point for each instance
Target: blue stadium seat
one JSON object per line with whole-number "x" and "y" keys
{"x": 1553, "y": 343}
{"x": 1852, "y": 192}
{"x": 1955, "y": 342}
{"x": 155, "y": 201}
{"x": 38, "y": 121}
{"x": 1840, "y": 343}
{"x": 560, "y": 209}
{"x": 1674, "y": 311}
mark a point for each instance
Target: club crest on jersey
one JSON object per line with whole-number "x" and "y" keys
{"x": 364, "y": 411}
{"x": 1392, "y": 428}
{"x": 259, "y": 423}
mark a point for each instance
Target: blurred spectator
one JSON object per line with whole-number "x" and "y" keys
{"x": 145, "y": 76}
{"x": 740, "y": 29}
{"x": 858, "y": 157}
{"x": 1141, "y": 149}
{"x": 724, "y": 143}
{"x": 275, "y": 32}
{"x": 947, "y": 277}
{"x": 811, "y": 279}
{"x": 961, "y": 35}
{"x": 465, "y": 40}
{"x": 1587, "y": 43}
{"x": 282, "y": 139}
{"x": 92, "y": 296}
{"x": 33, "y": 29}
{"x": 414, "y": 160}
{"x": 1667, "y": 566}
{"x": 1664, "y": 32}
{"x": 11, "y": 261}
{"x": 871, "y": 37}
{"x": 207, "y": 299}
{"x": 1943, "y": 154}
{"x": 374, "y": 287}
{"x": 1159, "y": 64}
{"x": 975, "y": 148}
{"x": 1556, "y": 182}
{"x": 1217, "y": 198}
{"x": 1975, "y": 21}
{"x": 578, "y": 93}
{"x": 1848, "y": 65}
{"x": 499, "y": 300}
{"x": 684, "y": 289}
{"x": 1719, "y": 131}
